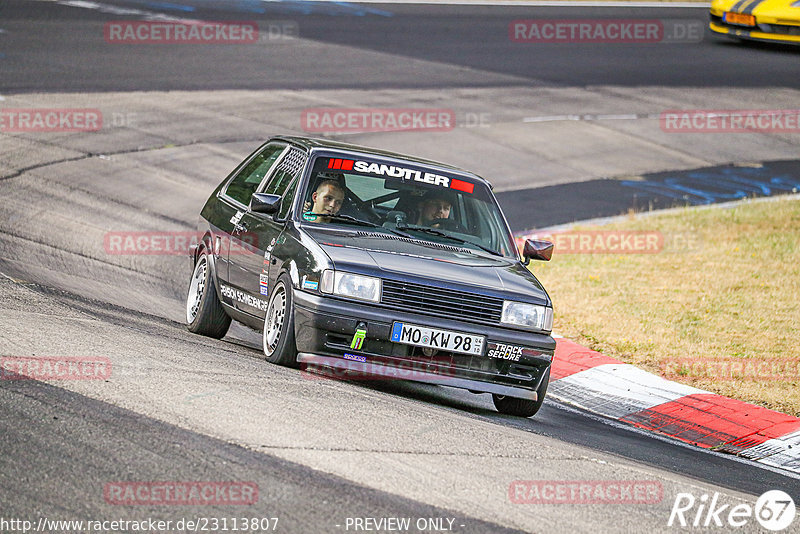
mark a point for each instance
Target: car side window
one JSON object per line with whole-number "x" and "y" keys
{"x": 279, "y": 183}
{"x": 242, "y": 187}
{"x": 284, "y": 181}
{"x": 288, "y": 196}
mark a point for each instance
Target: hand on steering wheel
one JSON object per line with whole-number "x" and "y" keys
{"x": 445, "y": 224}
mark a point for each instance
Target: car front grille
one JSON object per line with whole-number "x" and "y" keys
{"x": 462, "y": 305}
{"x": 782, "y": 29}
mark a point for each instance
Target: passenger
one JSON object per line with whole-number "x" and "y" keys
{"x": 434, "y": 205}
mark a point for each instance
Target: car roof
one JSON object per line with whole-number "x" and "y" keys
{"x": 311, "y": 143}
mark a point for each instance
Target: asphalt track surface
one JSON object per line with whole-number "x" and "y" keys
{"x": 181, "y": 407}
{"x": 605, "y": 197}
{"x": 65, "y": 50}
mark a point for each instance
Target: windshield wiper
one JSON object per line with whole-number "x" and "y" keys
{"x": 434, "y": 231}
{"x": 350, "y": 218}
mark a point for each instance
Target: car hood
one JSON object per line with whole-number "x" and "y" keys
{"x": 760, "y": 7}
{"x": 394, "y": 257}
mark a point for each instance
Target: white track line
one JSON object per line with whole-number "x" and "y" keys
{"x": 593, "y": 117}
{"x": 114, "y": 10}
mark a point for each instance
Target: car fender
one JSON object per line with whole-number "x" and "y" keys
{"x": 207, "y": 243}
{"x": 294, "y": 273}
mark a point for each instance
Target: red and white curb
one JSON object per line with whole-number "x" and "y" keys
{"x": 608, "y": 387}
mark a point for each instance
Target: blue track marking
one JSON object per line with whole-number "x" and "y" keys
{"x": 305, "y": 7}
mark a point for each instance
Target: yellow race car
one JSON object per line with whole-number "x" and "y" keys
{"x": 762, "y": 20}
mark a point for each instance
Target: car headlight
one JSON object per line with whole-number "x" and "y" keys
{"x": 354, "y": 286}
{"x": 527, "y": 315}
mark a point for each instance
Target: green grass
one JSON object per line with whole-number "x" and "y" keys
{"x": 731, "y": 295}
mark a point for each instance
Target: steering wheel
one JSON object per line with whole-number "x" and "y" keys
{"x": 446, "y": 224}
{"x": 360, "y": 208}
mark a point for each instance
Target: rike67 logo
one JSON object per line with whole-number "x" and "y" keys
{"x": 774, "y": 510}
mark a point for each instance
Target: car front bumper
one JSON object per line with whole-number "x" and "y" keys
{"x": 324, "y": 329}
{"x": 772, "y": 32}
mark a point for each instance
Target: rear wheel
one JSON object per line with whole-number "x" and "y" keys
{"x": 204, "y": 313}
{"x": 278, "y": 336}
{"x": 522, "y": 407}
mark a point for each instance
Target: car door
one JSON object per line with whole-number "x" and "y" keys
{"x": 252, "y": 268}
{"x": 233, "y": 203}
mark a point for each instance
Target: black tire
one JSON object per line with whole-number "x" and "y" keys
{"x": 277, "y": 336}
{"x": 204, "y": 313}
{"x": 522, "y": 407}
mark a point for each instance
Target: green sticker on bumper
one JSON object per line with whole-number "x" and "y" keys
{"x": 358, "y": 339}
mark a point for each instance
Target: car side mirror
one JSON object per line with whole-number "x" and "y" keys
{"x": 264, "y": 203}
{"x": 537, "y": 249}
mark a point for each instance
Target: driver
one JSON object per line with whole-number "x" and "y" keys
{"x": 326, "y": 200}
{"x": 434, "y": 205}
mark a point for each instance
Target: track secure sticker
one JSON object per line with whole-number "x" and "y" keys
{"x": 244, "y": 298}
{"x": 513, "y": 353}
{"x": 310, "y": 285}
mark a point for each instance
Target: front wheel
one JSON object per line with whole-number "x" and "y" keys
{"x": 278, "y": 336}
{"x": 204, "y": 313}
{"x": 522, "y": 407}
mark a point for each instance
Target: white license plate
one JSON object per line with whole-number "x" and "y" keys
{"x": 422, "y": 336}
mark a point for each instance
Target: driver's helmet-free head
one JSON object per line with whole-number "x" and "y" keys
{"x": 437, "y": 194}
{"x": 327, "y": 178}
{"x": 331, "y": 176}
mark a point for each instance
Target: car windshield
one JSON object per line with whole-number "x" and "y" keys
{"x": 410, "y": 200}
